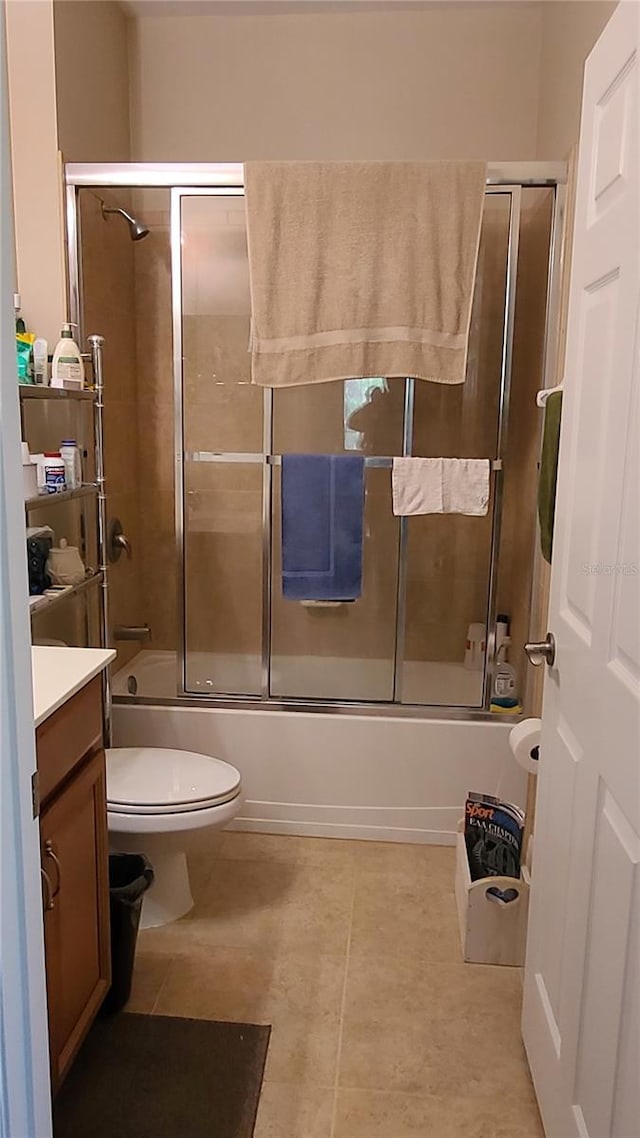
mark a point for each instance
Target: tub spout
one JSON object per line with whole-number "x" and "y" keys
{"x": 131, "y": 632}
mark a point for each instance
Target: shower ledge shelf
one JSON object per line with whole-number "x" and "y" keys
{"x": 89, "y": 490}
{"x": 38, "y": 605}
{"x": 35, "y": 391}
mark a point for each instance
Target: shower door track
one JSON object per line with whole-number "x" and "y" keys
{"x": 228, "y": 179}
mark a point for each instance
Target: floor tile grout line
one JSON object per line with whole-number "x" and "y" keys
{"x": 162, "y": 986}
{"x": 343, "y": 1004}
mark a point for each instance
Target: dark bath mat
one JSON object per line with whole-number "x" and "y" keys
{"x": 140, "y": 1076}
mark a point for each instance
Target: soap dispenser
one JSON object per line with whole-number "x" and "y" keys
{"x": 67, "y": 369}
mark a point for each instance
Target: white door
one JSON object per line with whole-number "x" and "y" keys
{"x": 582, "y": 980}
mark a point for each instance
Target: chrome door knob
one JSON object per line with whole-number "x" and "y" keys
{"x": 543, "y": 652}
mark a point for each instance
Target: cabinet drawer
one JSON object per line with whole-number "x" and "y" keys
{"x": 64, "y": 739}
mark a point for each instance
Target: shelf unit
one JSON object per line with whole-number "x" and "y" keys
{"x": 87, "y": 490}
{"x": 37, "y": 391}
{"x": 90, "y": 491}
{"x": 43, "y": 603}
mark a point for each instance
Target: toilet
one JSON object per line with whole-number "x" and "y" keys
{"x": 155, "y": 797}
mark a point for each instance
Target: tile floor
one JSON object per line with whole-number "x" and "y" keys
{"x": 350, "y": 950}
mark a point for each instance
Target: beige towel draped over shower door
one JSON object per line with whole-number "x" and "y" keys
{"x": 361, "y": 268}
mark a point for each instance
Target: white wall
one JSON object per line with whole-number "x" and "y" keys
{"x": 458, "y": 80}
{"x": 69, "y": 91}
{"x": 37, "y": 177}
{"x": 570, "y": 28}
{"x": 92, "y": 80}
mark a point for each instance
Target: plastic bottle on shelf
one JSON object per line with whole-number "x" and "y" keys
{"x": 70, "y": 455}
{"x": 55, "y": 481}
{"x": 21, "y": 327}
{"x": 40, "y": 361}
{"x": 67, "y": 369}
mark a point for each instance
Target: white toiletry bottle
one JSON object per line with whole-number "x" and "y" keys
{"x": 67, "y": 369}
{"x": 55, "y": 480}
{"x": 71, "y": 456}
{"x": 502, "y": 631}
{"x": 40, "y": 362}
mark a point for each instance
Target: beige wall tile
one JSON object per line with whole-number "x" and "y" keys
{"x": 109, "y": 309}
{"x": 155, "y": 393}
{"x": 312, "y": 419}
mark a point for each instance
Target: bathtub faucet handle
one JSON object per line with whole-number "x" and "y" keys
{"x": 118, "y": 541}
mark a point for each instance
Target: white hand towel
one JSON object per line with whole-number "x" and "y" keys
{"x": 440, "y": 486}
{"x": 465, "y": 486}
{"x": 417, "y": 486}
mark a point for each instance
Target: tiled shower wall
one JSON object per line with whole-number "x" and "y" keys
{"x": 109, "y": 309}
{"x": 156, "y": 424}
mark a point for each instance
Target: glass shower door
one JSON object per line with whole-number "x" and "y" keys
{"x": 428, "y": 582}
{"x": 447, "y": 570}
{"x": 345, "y": 652}
{"x": 222, "y": 450}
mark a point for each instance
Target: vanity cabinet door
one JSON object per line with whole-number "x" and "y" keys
{"x": 73, "y": 834}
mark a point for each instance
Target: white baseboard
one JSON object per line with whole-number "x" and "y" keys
{"x": 380, "y": 824}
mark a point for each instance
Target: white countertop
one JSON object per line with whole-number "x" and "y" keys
{"x": 58, "y": 673}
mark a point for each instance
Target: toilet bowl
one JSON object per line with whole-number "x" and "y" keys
{"x": 155, "y": 797}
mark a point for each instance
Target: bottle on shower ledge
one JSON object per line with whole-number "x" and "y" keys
{"x": 504, "y": 682}
{"x": 503, "y": 622}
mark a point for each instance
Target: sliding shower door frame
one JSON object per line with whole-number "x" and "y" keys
{"x": 226, "y": 180}
{"x": 504, "y": 397}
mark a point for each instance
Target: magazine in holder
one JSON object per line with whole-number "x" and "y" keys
{"x": 492, "y": 912}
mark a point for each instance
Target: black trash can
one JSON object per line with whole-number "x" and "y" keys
{"x": 130, "y": 875}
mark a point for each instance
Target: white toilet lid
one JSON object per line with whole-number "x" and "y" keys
{"x": 155, "y": 780}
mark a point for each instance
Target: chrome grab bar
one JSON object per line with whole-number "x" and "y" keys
{"x": 377, "y": 461}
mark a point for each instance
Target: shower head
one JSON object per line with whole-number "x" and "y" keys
{"x": 136, "y": 229}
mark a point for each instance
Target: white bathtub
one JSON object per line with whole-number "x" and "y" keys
{"x": 332, "y": 775}
{"x": 152, "y": 674}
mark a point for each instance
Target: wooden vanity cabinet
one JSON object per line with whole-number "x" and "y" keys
{"x": 75, "y": 875}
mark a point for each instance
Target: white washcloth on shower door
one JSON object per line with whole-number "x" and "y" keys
{"x": 441, "y": 486}
{"x": 417, "y": 486}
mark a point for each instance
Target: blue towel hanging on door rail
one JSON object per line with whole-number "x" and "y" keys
{"x": 322, "y": 526}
